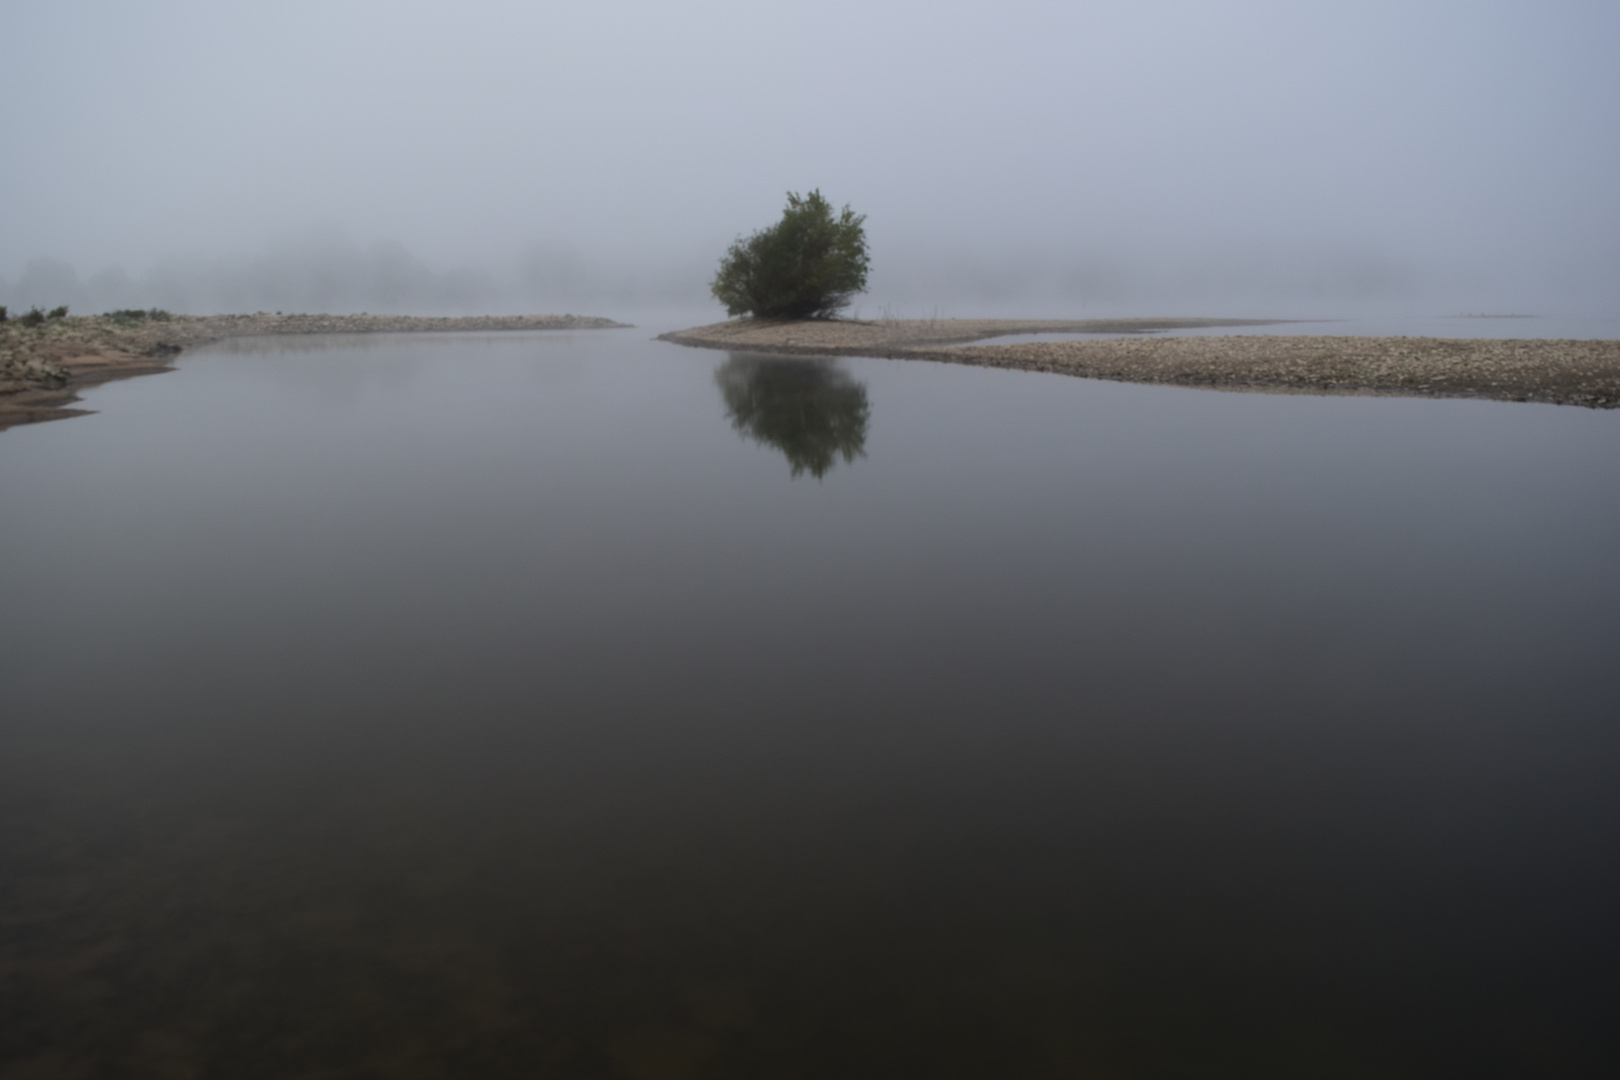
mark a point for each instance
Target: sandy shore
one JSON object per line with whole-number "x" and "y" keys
{"x": 1556, "y": 372}
{"x": 43, "y": 368}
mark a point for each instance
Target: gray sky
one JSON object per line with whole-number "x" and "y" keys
{"x": 1046, "y": 158}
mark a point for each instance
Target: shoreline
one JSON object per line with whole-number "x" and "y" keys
{"x": 44, "y": 368}
{"x": 1549, "y": 371}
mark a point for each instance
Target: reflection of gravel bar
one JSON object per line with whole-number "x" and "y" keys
{"x": 1558, "y": 372}
{"x": 42, "y": 368}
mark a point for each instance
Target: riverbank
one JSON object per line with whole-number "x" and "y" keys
{"x": 43, "y": 368}
{"x": 1552, "y": 371}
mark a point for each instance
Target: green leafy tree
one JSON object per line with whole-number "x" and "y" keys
{"x": 806, "y": 266}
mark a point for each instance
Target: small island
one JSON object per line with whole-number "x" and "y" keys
{"x": 786, "y": 284}
{"x": 1556, "y": 372}
{"x": 46, "y": 360}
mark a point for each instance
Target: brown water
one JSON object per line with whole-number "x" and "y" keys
{"x": 577, "y": 705}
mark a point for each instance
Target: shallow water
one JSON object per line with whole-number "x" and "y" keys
{"x": 579, "y": 705}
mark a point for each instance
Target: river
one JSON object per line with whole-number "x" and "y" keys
{"x": 575, "y": 704}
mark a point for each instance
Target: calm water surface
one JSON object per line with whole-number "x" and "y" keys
{"x": 576, "y": 705}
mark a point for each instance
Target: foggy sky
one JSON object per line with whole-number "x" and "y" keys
{"x": 1039, "y": 158}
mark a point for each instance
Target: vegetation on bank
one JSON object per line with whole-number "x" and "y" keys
{"x": 35, "y": 316}
{"x": 134, "y": 315}
{"x": 809, "y": 265}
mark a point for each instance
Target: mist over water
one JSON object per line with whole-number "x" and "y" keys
{"x": 1040, "y": 159}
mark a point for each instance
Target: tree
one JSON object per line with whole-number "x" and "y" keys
{"x": 806, "y": 266}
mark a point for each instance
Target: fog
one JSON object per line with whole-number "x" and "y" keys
{"x": 1035, "y": 158}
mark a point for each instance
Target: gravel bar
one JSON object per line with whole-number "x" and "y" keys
{"x": 1550, "y": 371}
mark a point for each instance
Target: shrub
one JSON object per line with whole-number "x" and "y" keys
{"x": 3, "y": 315}
{"x": 57, "y": 312}
{"x": 806, "y": 266}
{"x": 35, "y": 317}
{"x": 129, "y": 315}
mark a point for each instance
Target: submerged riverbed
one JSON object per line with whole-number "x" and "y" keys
{"x": 573, "y": 704}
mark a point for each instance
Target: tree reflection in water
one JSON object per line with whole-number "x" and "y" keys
{"x": 810, "y": 410}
